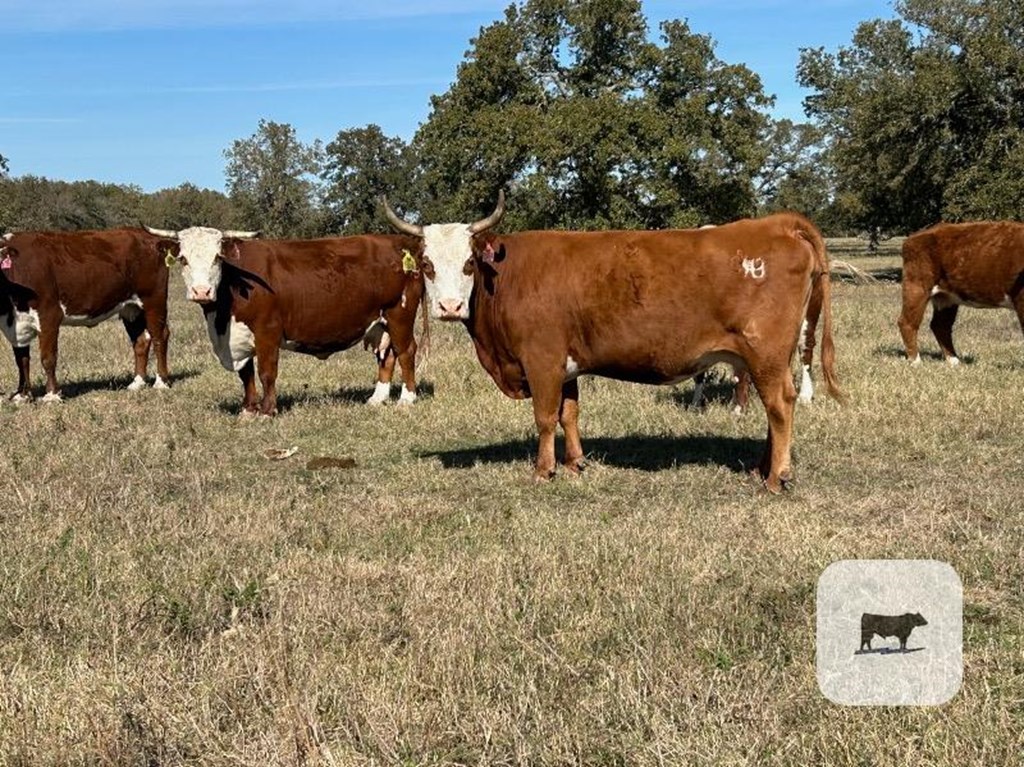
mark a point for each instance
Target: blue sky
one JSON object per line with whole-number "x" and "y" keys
{"x": 151, "y": 92}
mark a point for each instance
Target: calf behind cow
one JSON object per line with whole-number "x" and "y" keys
{"x": 50, "y": 279}
{"x": 315, "y": 297}
{"x": 977, "y": 264}
{"x": 544, "y": 308}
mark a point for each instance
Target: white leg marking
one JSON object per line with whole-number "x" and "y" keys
{"x": 806, "y": 385}
{"x": 953, "y": 362}
{"x": 160, "y": 383}
{"x": 21, "y": 399}
{"x": 407, "y": 397}
{"x": 138, "y": 383}
{"x": 916, "y": 361}
{"x": 381, "y": 393}
{"x": 53, "y": 397}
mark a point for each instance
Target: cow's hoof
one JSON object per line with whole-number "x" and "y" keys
{"x": 21, "y": 399}
{"x": 737, "y": 410}
{"x": 953, "y": 362}
{"x": 916, "y": 360}
{"x": 160, "y": 383}
{"x": 247, "y": 414}
{"x": 575, "y": 467}
{"x": 381, "y": 394}
{"x": 53, "y": 396}
{"x": 137, "y": 384}
{"x": 407, "y": 397}
{"x": 543, "y": 476}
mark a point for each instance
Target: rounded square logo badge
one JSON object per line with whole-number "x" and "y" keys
{"x": 889, "y": 632}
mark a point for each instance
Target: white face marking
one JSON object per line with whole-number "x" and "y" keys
{"x": 235, "y": 347}
{"x": 199, "y": 250}
{"x": 381, "y": 393}
{"x": 449, "y": 247}
{"x": 20, "y": 327}
{"x": 129, "y": 309}
{"x": 754, "y": 267}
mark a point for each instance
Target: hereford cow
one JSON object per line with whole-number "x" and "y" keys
{"x": 898, "y": 626}
{"x": 543, "y": 308}
{"x": 979, "y": 265}
{"x": 311, "y": 296}
{"x": 49, "y": 279}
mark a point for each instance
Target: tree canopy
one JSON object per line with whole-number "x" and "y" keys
{"x": 925, "y": 114}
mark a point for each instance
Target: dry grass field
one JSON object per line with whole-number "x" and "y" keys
{"x": 169, "y": 596}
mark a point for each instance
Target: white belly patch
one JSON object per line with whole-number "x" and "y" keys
{"x": 129, "y": 310}
{"x": 235, "y": 347}
{"x": 20, "y": 328}
{"x": 943, "y": 299}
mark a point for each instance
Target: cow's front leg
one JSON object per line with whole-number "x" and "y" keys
{"x": 23, "y": 359}
{"x": 268, "y": 351}
{"x": 385, "y": 372}
{"x": 250, "y": 402}
{"x": 568, "y": 417}
{"x": 547, "y": 402}
{"x": 156, "y": 326}
{"x": 943, "y": 318}
{"x": 403, "y": 343}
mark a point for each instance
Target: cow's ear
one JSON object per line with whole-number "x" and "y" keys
{"x": 487, "y": 248}
{"x": 231, "y": 250}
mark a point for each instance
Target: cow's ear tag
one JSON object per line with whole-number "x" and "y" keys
{"x": 408, "y": 262}
{"x": 169, "y": 259}
{"x": 488, "y": 254}
{"x": 6, "y": 263}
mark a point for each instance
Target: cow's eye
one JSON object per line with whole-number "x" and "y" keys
{"x": 428, "y": 267}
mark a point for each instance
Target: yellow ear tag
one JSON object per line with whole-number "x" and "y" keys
{"x": 169, "y": 259}
{"x": 408, "y": 262}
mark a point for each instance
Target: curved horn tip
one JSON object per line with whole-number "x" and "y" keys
{"x": 399, "y": 223}
{"x": 492, "y": 220}
{"x": 169, "y": 233}
{"x": 235, "y": 234}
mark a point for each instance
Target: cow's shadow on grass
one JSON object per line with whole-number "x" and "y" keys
{"x": 889, "y": 651}
{"x": 646, "y": 453}
{"x": 898, "y": 352}
{"x": 78, "y": 387}
{"x": 717, "y": 392}
{"x": 345, "y": 395}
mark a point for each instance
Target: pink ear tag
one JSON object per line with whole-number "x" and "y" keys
{"x": 6, "y": 263}
{"x": 489, "y": 254}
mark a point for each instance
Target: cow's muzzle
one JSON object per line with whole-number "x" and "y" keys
{"x": 202, "y": 294}
{"x": 452, "y": 309}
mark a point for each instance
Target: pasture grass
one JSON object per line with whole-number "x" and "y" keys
{"x": 169, "y": 596}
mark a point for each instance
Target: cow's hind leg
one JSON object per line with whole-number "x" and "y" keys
{"x": 23, "y": 361}
{"x": 49, "y": 328}
{"x": 385, "y": 372}
{"x": 268, "y": 352}
{"x": 135, "y": 326}
{"x": 160, "y": 335}
{"x": 775, "y": 387}
{"x": 916, "y": 292}
{"x": 568, "y": 417}
{"x": 943, "y": 317}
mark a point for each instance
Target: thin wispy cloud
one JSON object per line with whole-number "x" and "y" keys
{"x": 96, "y": 15}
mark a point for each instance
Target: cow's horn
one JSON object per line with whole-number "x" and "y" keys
{"x": 235, "y": 234}
{"x": 170, "y": 233}
{"x": 492, "y": 220}
{"x": 400, "y": 224}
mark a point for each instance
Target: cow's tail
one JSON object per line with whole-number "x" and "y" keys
{"x": 423, "y": 342}
{"x": 821, "y": 273}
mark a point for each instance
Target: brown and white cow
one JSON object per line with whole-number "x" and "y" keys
{"x": 544, "y": 308}
{"x": 315, "y": 297}
{"x": 978, "y": 264}
{"x": 50, "y": 279}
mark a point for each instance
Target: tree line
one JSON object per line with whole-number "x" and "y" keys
{"x": 588, "y": 121}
